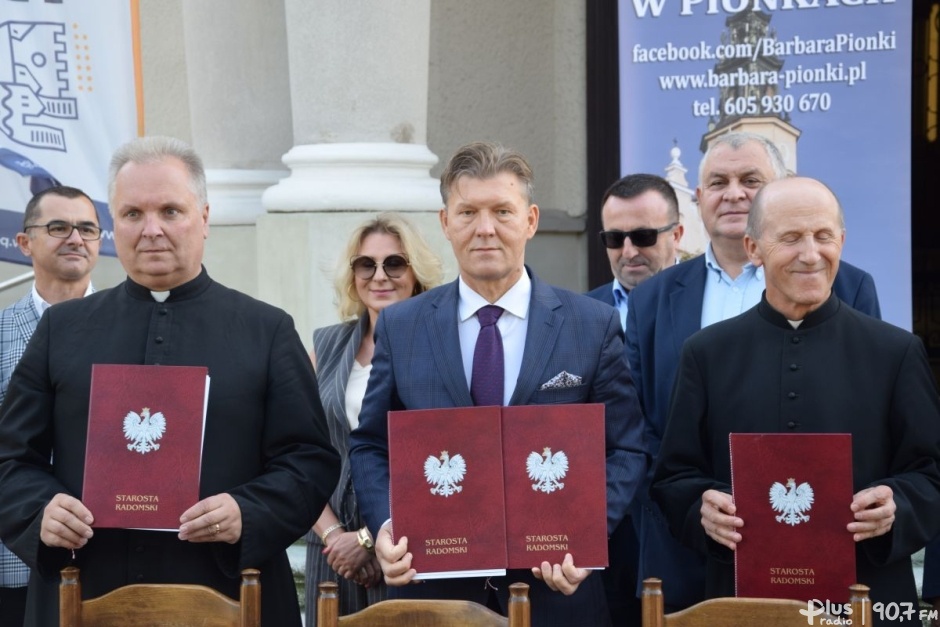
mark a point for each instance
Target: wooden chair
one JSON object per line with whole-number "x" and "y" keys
{"x": 744, "y": 612}
{"x": 152, "y": 605}
{"x": 423, "y": 612}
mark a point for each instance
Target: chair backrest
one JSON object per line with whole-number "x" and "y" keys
{"x": 150, "y": 605}
{"x": 745, "y": 612}
{"x": 423, "y": 612}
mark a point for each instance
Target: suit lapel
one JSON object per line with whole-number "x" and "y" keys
{"x": 545, "y": 320}
{"x": 685, "y": 302}
{"x": 25, "y": 318}
{"x": 606, "y": 294}
{"x": 345, "y": 369}
{"x": 445, "y": 345}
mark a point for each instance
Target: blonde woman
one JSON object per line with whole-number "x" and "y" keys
{"x": 386, "y": 260}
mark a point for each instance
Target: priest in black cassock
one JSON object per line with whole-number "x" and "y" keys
{"x": 268, "y": 467}
{"x": 802, "y": 361}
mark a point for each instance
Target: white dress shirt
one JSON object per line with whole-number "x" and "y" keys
{"x": 40, "y": 303}
{"x": 512, "y": 326}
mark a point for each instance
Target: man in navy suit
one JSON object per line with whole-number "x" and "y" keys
{"x": 679, "y": 301}
{"x": 640, "y": 217}
{"x": 423, "y": 359}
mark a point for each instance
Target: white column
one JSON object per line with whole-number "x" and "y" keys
{"x": 359, "y": 91}
{"x": 239, "y": 103}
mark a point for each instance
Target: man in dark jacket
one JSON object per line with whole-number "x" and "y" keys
{"x": 802, "y": 361}
{"x": 267, "y": 465}
{"x": 668, "y": 308}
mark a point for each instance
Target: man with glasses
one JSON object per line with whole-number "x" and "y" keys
{"x": 61, "y": 235}
{"x": 640, "y": 217}
{"x": 670, "y": 307}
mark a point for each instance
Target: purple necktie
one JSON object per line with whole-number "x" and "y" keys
{"x": 486, "y": 380}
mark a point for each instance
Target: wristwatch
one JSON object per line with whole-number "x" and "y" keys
{"x": 365, "y": 541}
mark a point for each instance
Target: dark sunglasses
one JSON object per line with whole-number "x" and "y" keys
{"x": 364, "y": 267}
{"x": 641, "y": 238}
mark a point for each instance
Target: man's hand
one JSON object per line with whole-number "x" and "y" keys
{"x": 214, "y": 519}
{"x": 718, "y": 518}
{"x": 874, "y": 512}
{"x": 394, "y": 559}
{"x": 370, "y": 574}
{"x": 564, "y": 577}
{"x": 66, "y": 523}
{"x": 345, "y": 556}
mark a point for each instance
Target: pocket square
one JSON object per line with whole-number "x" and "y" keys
{"x": 561, "y": 380}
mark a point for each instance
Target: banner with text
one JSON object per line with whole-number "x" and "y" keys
{"x": 68, "y": 98}
{"x": 827, "y": 80}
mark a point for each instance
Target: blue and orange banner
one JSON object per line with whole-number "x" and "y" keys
{"x": 69, "y": 95}
{"x": 827, "y": 80}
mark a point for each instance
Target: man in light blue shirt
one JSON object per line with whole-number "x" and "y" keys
{"x": 729, "y": 176}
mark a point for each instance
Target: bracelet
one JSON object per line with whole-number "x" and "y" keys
{"x": 330, "y": 530}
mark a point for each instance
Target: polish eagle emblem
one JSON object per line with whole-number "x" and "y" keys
{"x": 791, "y": 501}
{"x": 444, "y": 473}
{"x": 547, "y": 470}
{"x": 143, "y": 430}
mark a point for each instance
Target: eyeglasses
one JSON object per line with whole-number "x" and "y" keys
{"x": 63, "y": 230}
{"x": 641, "y": 238}
{"x": 364, "y": 267}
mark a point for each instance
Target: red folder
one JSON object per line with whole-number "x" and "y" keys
{"x": 548, "y": 515}
{"x": 532, "y": 487}
{"x": 793, "y": 492}
{"x": 446, "y": 490}
{"x": 144, "y": 448}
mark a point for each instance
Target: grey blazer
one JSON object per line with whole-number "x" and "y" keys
{"x": 17, "y": 323}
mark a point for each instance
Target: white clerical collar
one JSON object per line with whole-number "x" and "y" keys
{"x": 40, "y": 303}
{"x": 515, "y": 300}
{"x": 795, "y": 323}
{"x": 160, "y": 296}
